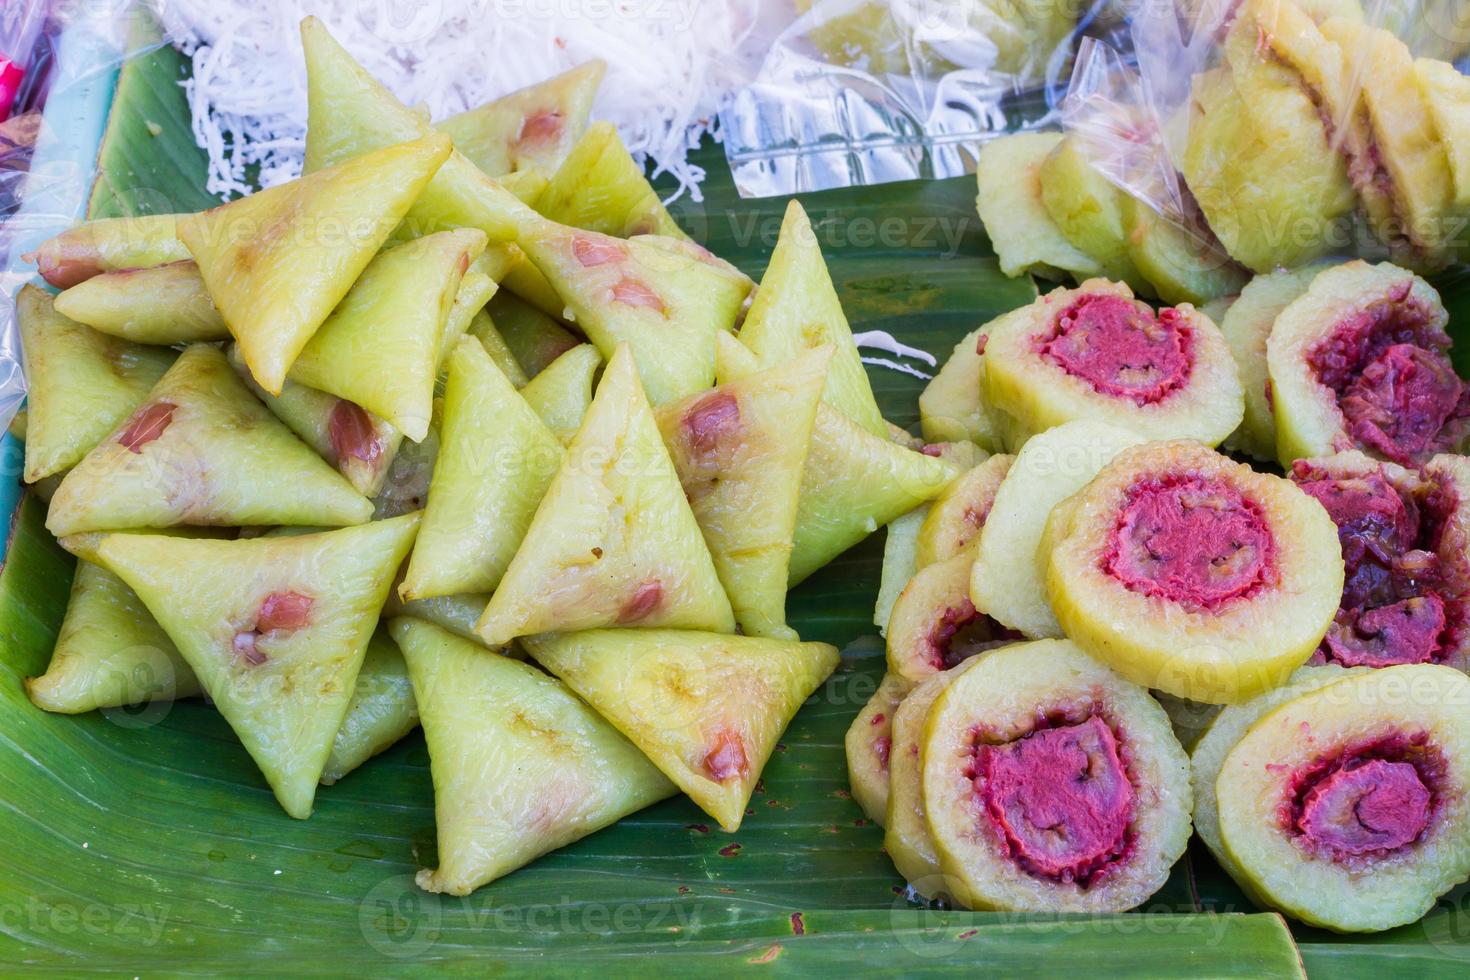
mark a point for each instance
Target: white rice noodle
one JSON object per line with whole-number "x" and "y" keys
{"x": 671, "y": 64}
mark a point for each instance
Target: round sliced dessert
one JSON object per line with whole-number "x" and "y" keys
{"x": 1006, "y": 582}
{"x": 1088, "y": 208}
{"x": 934, "y": 626}
{"x": 1349, "y": 807}
{"x": 1446, "y": 92}
{"x": 1183, "y": 263}
{"x": 1361, "y": 361}
{"x": 906, "y": 827}
{"x": 952, "y": 406}
{"x": 1026, "y": 240}
{"x": 1012, "y": 432}
{"x": 1193, "y": 574}
{"x": 1247, "y": 325}
{"x": 1336, "y": 65}
{"x": 1095, "y": 352}
{"x": 868, "y": 742}
{"x": 1405, "y": 539}
{"x": 1259, "y": 158}
{"x": 1220, "y": 736}
{"x": 899, "y": 546}
{"x": 957, "y": 515}
{"x": 1409, "y": 206}
{"x": 1051, "y": 784}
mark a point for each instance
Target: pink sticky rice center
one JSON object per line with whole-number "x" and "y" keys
{"x": 1388, "y": 368}
{"x": 1192, "y": 540}
{"x": 642, "y": 603}
{"x": 1366, "y": 801}
{"x": 146, "y": 425}
{"x": 69, "y": 264}
{"x": 711, "y": 420}
{"x": 1400, "y": 603}
{"x": 540, "y": 129}
{"x": 725, "y": 758}
{"x": 1121, "y": 348}
{"x": 631, "y": 292}
{"x": 1377, "y": 806}
{"x": 592, "y": 252}
{"x": 350, "y": 430}
{"x": 1059, "y": 798}
{"x": 962, "y": 631}
{"x": 278, "y": 614}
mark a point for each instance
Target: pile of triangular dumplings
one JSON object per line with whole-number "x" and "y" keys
{"x": 339, "y": 454}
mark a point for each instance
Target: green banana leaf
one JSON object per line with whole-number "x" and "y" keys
{"x": 145, "y": 842}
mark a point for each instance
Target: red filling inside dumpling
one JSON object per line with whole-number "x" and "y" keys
{"x": 1121, "y": 348}
{"x": 1192, "y": 540}
{"x": 1060, "y": 798}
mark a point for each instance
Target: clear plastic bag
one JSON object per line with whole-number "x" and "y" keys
{"x": 1135, "y": 109}
{"x": 47, "y": 159}
{"x": 863, "y": 92}
{"x": 20, "y": 24}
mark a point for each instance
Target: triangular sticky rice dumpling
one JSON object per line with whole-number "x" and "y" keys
{"x": 526, "y": 185}
{"x": 796, "y": 308}
{"x": 350, "y": 113}
{"x": 600, "y": 187}
{"x": 406, "y": 488}
{"x": 456, "y": 614}
{"x": 201, "y": 450}
{"x": 483, "y": 329}
{"x": 475, "y": 290}
{"x": 562, "y": 392}
{"x": 274, "y": 267}
{"x": 358, "y": 443}
{"x": 853, "y": 482}
{"x": 496, "y": 459}
{"x": 82, "y": 383}
{"x": 526, "y": 281}
{"x": 110, "y": 652}
{"x": 707, "y": 709}
{"x": 496, "y": 261}
{"x": 382, "y": 710}
{"x": 614, "y": 542}
{"x": 668, "y": 306}
{"x": 164, "y": 304}
{"x": 84, "y": 545}
{"x": 688, "y": 248}
{"x": 106, "y": 244}
{"x": 521, "y": 766}
{"x": 380, "y": 346}
{"x": 531, "y": 128}
{"x": 739, "y": 450}
{"x": 275, "y": 629}
{"x": 534, "y": 338}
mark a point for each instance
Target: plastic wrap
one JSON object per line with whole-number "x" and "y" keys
{"x": 20, "y": 24}
{"x": 47, "y": 158}
{"x": 862, "y": 92}
{"x": 1136, "y": 111}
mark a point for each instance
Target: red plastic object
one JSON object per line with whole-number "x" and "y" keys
{"x": 11, "y": 75}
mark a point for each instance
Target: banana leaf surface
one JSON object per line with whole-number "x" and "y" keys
{"x": 145, "y": 842}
